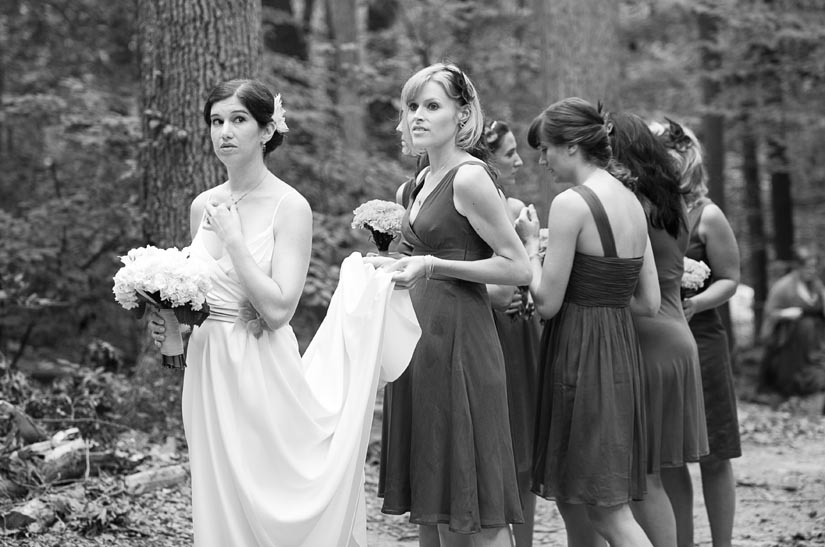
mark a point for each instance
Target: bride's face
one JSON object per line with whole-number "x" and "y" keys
{"x": 235, "y": 133}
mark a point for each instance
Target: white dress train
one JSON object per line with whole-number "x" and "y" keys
{"x": 277, "y": 442}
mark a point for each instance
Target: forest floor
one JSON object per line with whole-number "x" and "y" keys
{"x": 780, "y": 494}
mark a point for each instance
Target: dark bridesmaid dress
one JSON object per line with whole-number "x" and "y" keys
{"x": 590, "y": 443}
{"x": 714, "y": 361}
{"x": 447, "y": 454}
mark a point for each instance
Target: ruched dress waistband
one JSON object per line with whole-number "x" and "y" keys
{"x": 223, "y": 312}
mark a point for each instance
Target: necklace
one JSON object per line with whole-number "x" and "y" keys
{"x": 432, "y": 175}
{"x": 235, "y": 201}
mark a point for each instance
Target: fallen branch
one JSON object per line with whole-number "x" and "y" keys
{"x": 163, "y": 477}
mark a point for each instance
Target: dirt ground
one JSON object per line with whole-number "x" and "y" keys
{"x": 780, "y": 486}
{"x": 780, "y": 490}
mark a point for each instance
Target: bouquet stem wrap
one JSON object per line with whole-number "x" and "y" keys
{"x": 172, "y": 347}
{"x": 381, "y": 239}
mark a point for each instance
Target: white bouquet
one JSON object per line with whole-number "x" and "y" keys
{"x": 695, "y": 274}
{"x": 171, "y": 281}
{"x": 382, "y": 219}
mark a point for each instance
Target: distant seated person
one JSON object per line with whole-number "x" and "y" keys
{"x": 793, "y": 329}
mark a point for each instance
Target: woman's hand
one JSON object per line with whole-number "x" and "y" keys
{"x": 516, "y": 302}
{"x": 156, "y": 327}
{"x": 528, "y": 228}
{"x": 408, "y": 271}
{"x": 689, "y": 308}
{"x": 222, "y": 219}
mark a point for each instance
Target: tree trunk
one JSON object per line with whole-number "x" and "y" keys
{"x": 781, "y": 201}
{"x": 186, "y": 47}
{"x": 573, "y": 62}
{"x": 713, "y": 124}
{"x": 758, "y": 260}
{"x": 343, "y": 18}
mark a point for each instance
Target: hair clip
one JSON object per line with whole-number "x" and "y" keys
{"x": 490, "y": 135}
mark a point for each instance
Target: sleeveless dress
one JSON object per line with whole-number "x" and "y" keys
{"x": 714, "y": 361}
{"x": 519, "y": 338}
{"x": 519, "y": 335}
{"x": 676, "y": 430}
{"x": 590, "y": 442}
{"x": 446, "y": 451}
{"x": 277, "y": 442}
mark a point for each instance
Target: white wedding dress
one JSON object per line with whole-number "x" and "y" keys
{"x": 277, "y": 442}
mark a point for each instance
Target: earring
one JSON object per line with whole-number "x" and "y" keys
{"x": 462, "y": 123}
{"x": 263, "y": 146}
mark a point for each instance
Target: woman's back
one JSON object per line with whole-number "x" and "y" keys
{"x": 625, "y": 216}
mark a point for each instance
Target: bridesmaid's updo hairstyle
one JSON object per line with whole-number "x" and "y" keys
{"x": 494, "y": 134}
{"x": 458, "y": 87}
{"x": 576, "y": 121}
{"x": 255, "y": 96}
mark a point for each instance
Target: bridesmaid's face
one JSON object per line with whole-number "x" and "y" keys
{"x": 432, "y": 117}
{"x": 554, "y": 158}
{"x": 507, "y": 159}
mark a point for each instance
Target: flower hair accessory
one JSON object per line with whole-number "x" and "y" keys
{"x": 461, "y": 83}
{"x": 279, "y": 115}
{"x": 675, "y": 137}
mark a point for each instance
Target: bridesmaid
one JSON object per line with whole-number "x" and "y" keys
{"x": 713, "y": 242}
{"x": 676, "y": 431}
{"x": 518, "y": 330}
{"x": 589, "y": 447}
{"x": 447, "y": 455}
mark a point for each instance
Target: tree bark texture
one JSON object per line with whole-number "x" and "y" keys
{"x": 343, "y": 19}
{"x": 579, "y": 56}
{"x": 758, "y": 260}
{"x": 713, "y": 122}
{"x": 781, "y": 200}
{"x": 186, "y": 47}
{"x": 579, "y": 48}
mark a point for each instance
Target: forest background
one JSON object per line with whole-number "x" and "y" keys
{"x": 102, "y": 145}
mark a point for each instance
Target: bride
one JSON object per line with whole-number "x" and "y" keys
{"x": 277, "y": 442}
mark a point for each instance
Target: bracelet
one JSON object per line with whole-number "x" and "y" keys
{"x": 429, "y": 266}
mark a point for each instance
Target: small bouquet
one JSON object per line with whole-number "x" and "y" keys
{"x": 694, "y": 277}
{"x": 382, "y": 219}
{"x": 172, "y": 282}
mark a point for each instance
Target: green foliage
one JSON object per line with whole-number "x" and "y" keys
{"x": 68, "y": 161}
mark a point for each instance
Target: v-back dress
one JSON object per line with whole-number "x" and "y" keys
{"x": 676, "y": 427}
{"x": 714, "y": 360}
{"x": 590, "y": 443}
{"x": 277, "y": 441}
{"x": 446, "y": 452}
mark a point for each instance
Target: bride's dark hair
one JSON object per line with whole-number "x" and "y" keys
{"x": 255, "y": 96}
